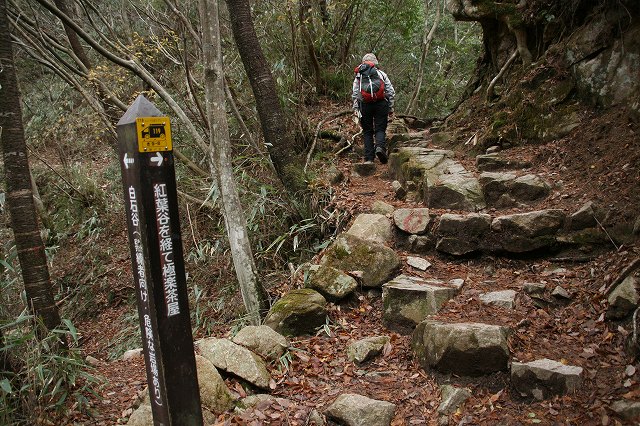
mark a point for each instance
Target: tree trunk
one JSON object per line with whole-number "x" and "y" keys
{"x": 426, "y": 43}
{"x": 219, "y": 156}
{"x": 31, "y": 254}
{"x": 279, "y": 138}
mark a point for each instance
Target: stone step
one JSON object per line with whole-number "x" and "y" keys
{"x": 467, "y": 349}
{"x": 408, "y": 300}
{"x": 441, "y": 182}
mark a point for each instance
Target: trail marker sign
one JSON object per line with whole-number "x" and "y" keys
{"x": 154, "y": 134}
{"x": 151, "y": 204}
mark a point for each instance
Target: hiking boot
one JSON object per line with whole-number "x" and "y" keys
{"x": 368, "y": 162}
{"x": 381, "y": 154}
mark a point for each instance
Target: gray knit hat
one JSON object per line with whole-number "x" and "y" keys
{"x": 371, "y": 58}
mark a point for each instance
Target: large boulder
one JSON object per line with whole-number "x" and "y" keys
{"x": 235, "y": 359}
{"x": 372, "y": 227}
{"x": 409, "y": 300}
{"x": 330, "y": 282}
{"x": 262, "y": 340}
{"x": 358, "y": 410}
{"x": 525, "y": 232}
{"x": 378, "y": 263}
{"x": 468, "y": 349}
{"x": 298, "y": 312}
{"x": 462, "y": 234}
{"x": 214, "y": 394}
{"x": 544, "y": 378}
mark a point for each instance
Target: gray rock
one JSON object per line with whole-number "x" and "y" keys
{"x": 334, "y": 176}
{"x": 365, "y": 349}
{"x": 534, "y": 288}
{"x": 529, "y": 188}
{"x": 462, "y": 234}
{"x": 524, "y": 232}
{"x": 315, "y": 419}
{"x": 456, "y": 283}
{"x": 459, "y": 191}
{"x": 452, "y": 398}
{"x": 412, "y": 221}
{"x": 544, "y": 377}
{"x": 377, "y": 262}
{"x": 380, "y": 207}
{"x": 623, "y": 300}
{"x": 358, "y": 410}
{"x": 262, "y": 340}
{"x": 142, "y": 416}
{"x": 419, "y": 243}
{"x": 372, "y": 227}
{"x": 441, "y": 181}
{"x": 330, "y": 282}
{"x": 235, "y": 359}
{"x": 252, "y": 401}
{"x": 214, "y": 394}
{"x": 560, "y": 293}
{"x": 298, "y": 312}
{"x": 132, "y": 354}
{"x": 504, "y": 298}
{"x": 398, "y": 190}
{"x": 364, "y": 169}
{"x": 408, "y": 300}
{"x": 418, "y": 263}
{"x": 493, "y": 162}
{"x": 587, "y": 216}
{"x": 518, "y": 189}
{"x": 627, "y": 410}
{"x": 469, "y": 349}
{"x": 92, "y": 361}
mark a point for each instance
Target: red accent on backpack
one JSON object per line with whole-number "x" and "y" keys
{"x": 371, "y": 85}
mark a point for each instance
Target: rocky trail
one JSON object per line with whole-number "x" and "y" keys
{"x": 457, "y": 291}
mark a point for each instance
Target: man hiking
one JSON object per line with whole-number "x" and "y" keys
{"x": 372, "y": 96}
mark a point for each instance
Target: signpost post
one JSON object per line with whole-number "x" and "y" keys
{"x": 151, "y": 204}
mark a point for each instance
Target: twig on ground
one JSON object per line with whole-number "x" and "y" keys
{"x": 350, "y": 144}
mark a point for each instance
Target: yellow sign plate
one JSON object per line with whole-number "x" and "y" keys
{"x": 154, "y": 134}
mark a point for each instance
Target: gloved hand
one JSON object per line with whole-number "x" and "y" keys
{"x": 357, "y": 113}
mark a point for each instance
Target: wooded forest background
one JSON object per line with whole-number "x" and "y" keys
{"x": 244, "y": 83}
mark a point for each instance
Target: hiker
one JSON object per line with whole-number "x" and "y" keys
{"x": 372, "y": 96}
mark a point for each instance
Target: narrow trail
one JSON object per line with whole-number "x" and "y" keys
{"x": 569, "y": 327}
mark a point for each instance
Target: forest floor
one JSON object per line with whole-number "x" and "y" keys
{"x": 599, "y": 162}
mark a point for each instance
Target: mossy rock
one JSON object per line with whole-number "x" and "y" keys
{"x": 378, "y": 263}
{"x": 297, "y": 313}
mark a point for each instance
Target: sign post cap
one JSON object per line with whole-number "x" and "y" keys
{"x": 141, "y": 107}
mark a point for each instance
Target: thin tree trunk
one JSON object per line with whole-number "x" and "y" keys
{"x": 426, "y": 43}
{"x": 219, "y": 154}
{"x": 31, "y": 254}
{"x": 279, "y": 138}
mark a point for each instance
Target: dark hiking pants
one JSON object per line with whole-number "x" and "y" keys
{"x": 374, "y": 123}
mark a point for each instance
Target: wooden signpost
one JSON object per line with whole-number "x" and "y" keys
{"x": 151, "y": 204}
